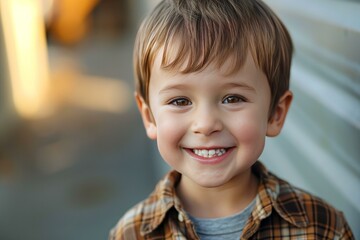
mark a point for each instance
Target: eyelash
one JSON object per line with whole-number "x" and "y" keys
{"x": 176, "y": 102}
{"x": 181, "y": 101}
{"x": 236, "y": 97}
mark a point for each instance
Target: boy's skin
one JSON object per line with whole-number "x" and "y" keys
{"x": 212, "y": 110}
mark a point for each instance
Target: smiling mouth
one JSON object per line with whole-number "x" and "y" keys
{"x": 209, "y": 153}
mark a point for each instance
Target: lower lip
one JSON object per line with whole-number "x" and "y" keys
{"x": 212, "y": 160}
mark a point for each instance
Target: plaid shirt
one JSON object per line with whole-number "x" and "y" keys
{"x": 281, "y": 211}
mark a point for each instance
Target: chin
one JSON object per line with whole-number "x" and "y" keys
{"x": 206, "y": 183}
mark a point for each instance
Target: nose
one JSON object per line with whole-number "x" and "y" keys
{"x": 206, "y": 121}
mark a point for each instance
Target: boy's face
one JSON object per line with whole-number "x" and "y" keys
{"x": 209, "y": 126}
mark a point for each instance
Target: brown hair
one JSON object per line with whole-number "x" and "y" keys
{"x": 211, "y": 31}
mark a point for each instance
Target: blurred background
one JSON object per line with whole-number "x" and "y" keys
{"x": 73, "y": 152}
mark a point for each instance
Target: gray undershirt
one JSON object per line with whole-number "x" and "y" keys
{"x": 226, "y": 228}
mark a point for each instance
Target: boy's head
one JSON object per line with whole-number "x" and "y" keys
{"x": 212, "y": 83}
{"x": 192, "y": 34}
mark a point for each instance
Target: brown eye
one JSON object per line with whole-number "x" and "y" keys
{"x": 233, "y": 99}
{"x": 180, "y": 102}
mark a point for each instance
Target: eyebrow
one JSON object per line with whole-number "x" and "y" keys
{"x": 239, "y": 85}
{"x": 173, "y": 87}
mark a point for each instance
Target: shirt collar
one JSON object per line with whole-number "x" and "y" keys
{"x": 160, "y": 202}
{"x": 273, "y": 193}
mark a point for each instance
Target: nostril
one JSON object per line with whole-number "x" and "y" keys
{"x": 207, "y": 128}
{"x": 206, "y": 119}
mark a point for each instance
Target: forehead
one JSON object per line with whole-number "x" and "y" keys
{"x": 168, "y": 61}
{"x": 171, "y": 62}
{"x": 249, "y": 73}
{"x": 178, "y": 53}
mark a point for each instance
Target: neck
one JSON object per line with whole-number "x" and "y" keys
{"x": 216, "y": 202}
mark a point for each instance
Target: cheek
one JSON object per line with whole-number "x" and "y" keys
{"x": 169, "y": 127}
{"x": 251, "y": 140}
{"x": 251, "y": 129}
{"x": 170, "y": 130}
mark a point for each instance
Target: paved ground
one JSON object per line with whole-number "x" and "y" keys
{"x": 72, "y": 175}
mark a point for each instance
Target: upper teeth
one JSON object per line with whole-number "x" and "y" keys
{"x": 209, "y": 153}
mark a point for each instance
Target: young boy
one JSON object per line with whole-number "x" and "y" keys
{"x": 212, "y": 82}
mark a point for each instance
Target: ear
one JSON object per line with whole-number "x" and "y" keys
{"x": 147, "y": 117}
{"x": 278, "y": 117}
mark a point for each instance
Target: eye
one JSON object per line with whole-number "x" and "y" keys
{"x": 180, "y": 102}
{"x": 233, "y": 99}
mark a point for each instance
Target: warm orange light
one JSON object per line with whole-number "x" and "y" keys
{"x": 24, "y": 34}
{"x": 71, "y": 23}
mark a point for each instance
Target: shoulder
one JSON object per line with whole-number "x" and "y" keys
{"x": 316, "y": 209}
{"x": 309, "y": 211}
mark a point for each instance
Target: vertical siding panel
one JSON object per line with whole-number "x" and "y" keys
{"x": 319, "y": 147}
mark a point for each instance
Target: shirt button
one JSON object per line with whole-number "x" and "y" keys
{"x": 180, "y": 217}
